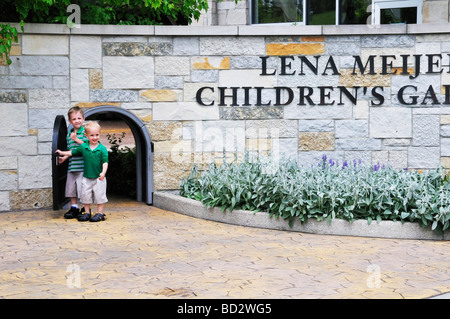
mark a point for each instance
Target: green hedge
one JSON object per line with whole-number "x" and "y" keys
{"x": 121, "y": 175}
{"x": 135, "y": 12}
{"x": 324, "y": 191}
{"x": 121, "y": 12}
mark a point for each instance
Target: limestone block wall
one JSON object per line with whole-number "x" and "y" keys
{"x": 436, "y": 11}
{"x": 209, "y": 93}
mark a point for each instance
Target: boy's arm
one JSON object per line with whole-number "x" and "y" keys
{"x": 77, "y": 140}
{"x": 103, "y": 173}
{"x": 64, "y": 153}
{"x": 61, "y": 159}
{"x": 104, "y": 163}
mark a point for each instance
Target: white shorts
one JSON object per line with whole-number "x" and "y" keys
{"x": 73, "y": 184}
{"x": 93, "y": 190}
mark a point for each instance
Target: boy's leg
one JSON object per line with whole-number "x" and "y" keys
{"x": 86, "y": 215}
{"x": 86, "y": 198}
{"x": 99, "y": 215}
{"x": 79, "y": 180}
{"x": 71, "y": 192}
{"x": 73, "y": 211}
{"x": 100, "y": 198}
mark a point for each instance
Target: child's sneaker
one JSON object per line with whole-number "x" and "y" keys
{"x": 84, "y": 217}
{"x": 72, "y": 213}
{"x": 97, "y": 217}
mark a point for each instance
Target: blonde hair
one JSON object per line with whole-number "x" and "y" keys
{"x": 92, "y": 125}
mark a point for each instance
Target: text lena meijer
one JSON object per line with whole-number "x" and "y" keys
{"x": 329, "y": 95}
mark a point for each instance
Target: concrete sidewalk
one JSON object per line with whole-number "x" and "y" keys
{"x": 141, "y": 251}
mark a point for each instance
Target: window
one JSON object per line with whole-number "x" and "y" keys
{"x": 354, "y": 11}
{"x": 278, "y": 11}
{"x": 323, "y": 12}
{"x": 399, "y": 11}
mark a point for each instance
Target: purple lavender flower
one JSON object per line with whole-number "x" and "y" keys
{"x": 324, "y": 161}
{"x": 331, "y": 162}
{"x": 345, "y": 164}
{"x": 376, "y": 167}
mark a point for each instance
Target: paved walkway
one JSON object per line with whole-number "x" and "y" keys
{"x": 144, "y": 252}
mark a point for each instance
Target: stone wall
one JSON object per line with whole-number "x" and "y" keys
{"x": 173, "y": 77}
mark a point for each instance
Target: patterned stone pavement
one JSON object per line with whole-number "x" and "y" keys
{"x": 141, "y": 251}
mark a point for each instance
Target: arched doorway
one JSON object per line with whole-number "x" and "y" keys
{"x": 144, "y": 152}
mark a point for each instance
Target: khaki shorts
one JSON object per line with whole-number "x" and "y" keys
{"x": 93, "y": 190}
{"x": 73, "y": 184}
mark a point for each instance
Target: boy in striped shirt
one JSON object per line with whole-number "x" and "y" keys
{"x": 75, "y": 138}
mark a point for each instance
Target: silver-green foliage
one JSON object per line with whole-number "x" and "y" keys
{"x": 324, "y": 191}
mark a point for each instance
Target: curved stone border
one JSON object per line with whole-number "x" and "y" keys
{"x": 385, "y": 229}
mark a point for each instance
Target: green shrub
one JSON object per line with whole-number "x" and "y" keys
{"x": 8, "y": 36}
{"x": 324, "y": 191}
{"x": 121, "y": 173}
{"x": 133, "y": 12}
{"x": 127, "y": 12}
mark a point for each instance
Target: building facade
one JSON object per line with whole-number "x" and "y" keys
{"x": 325, "y": 12}
{"x": 379, "y": 93}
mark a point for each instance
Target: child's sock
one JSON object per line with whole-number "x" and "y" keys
{"x": 74, "y": 205}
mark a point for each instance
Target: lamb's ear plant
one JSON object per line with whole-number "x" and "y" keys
{"x": 324, "y": 191}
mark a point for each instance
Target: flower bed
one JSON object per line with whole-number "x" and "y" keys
{"x": 325, "y": 191}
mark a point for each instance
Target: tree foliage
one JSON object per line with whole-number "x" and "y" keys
{"x": 104, "y": 12}
{"x": 8, "y": 35}
{"x": 122, "y": 179}
{"x": 132, "y": 12}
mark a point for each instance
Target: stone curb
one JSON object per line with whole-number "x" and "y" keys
{"x": 241, "y": 30}
{"x": 385, "y": 229}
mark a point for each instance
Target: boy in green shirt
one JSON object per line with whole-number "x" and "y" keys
{"x": 95, "y": 157}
